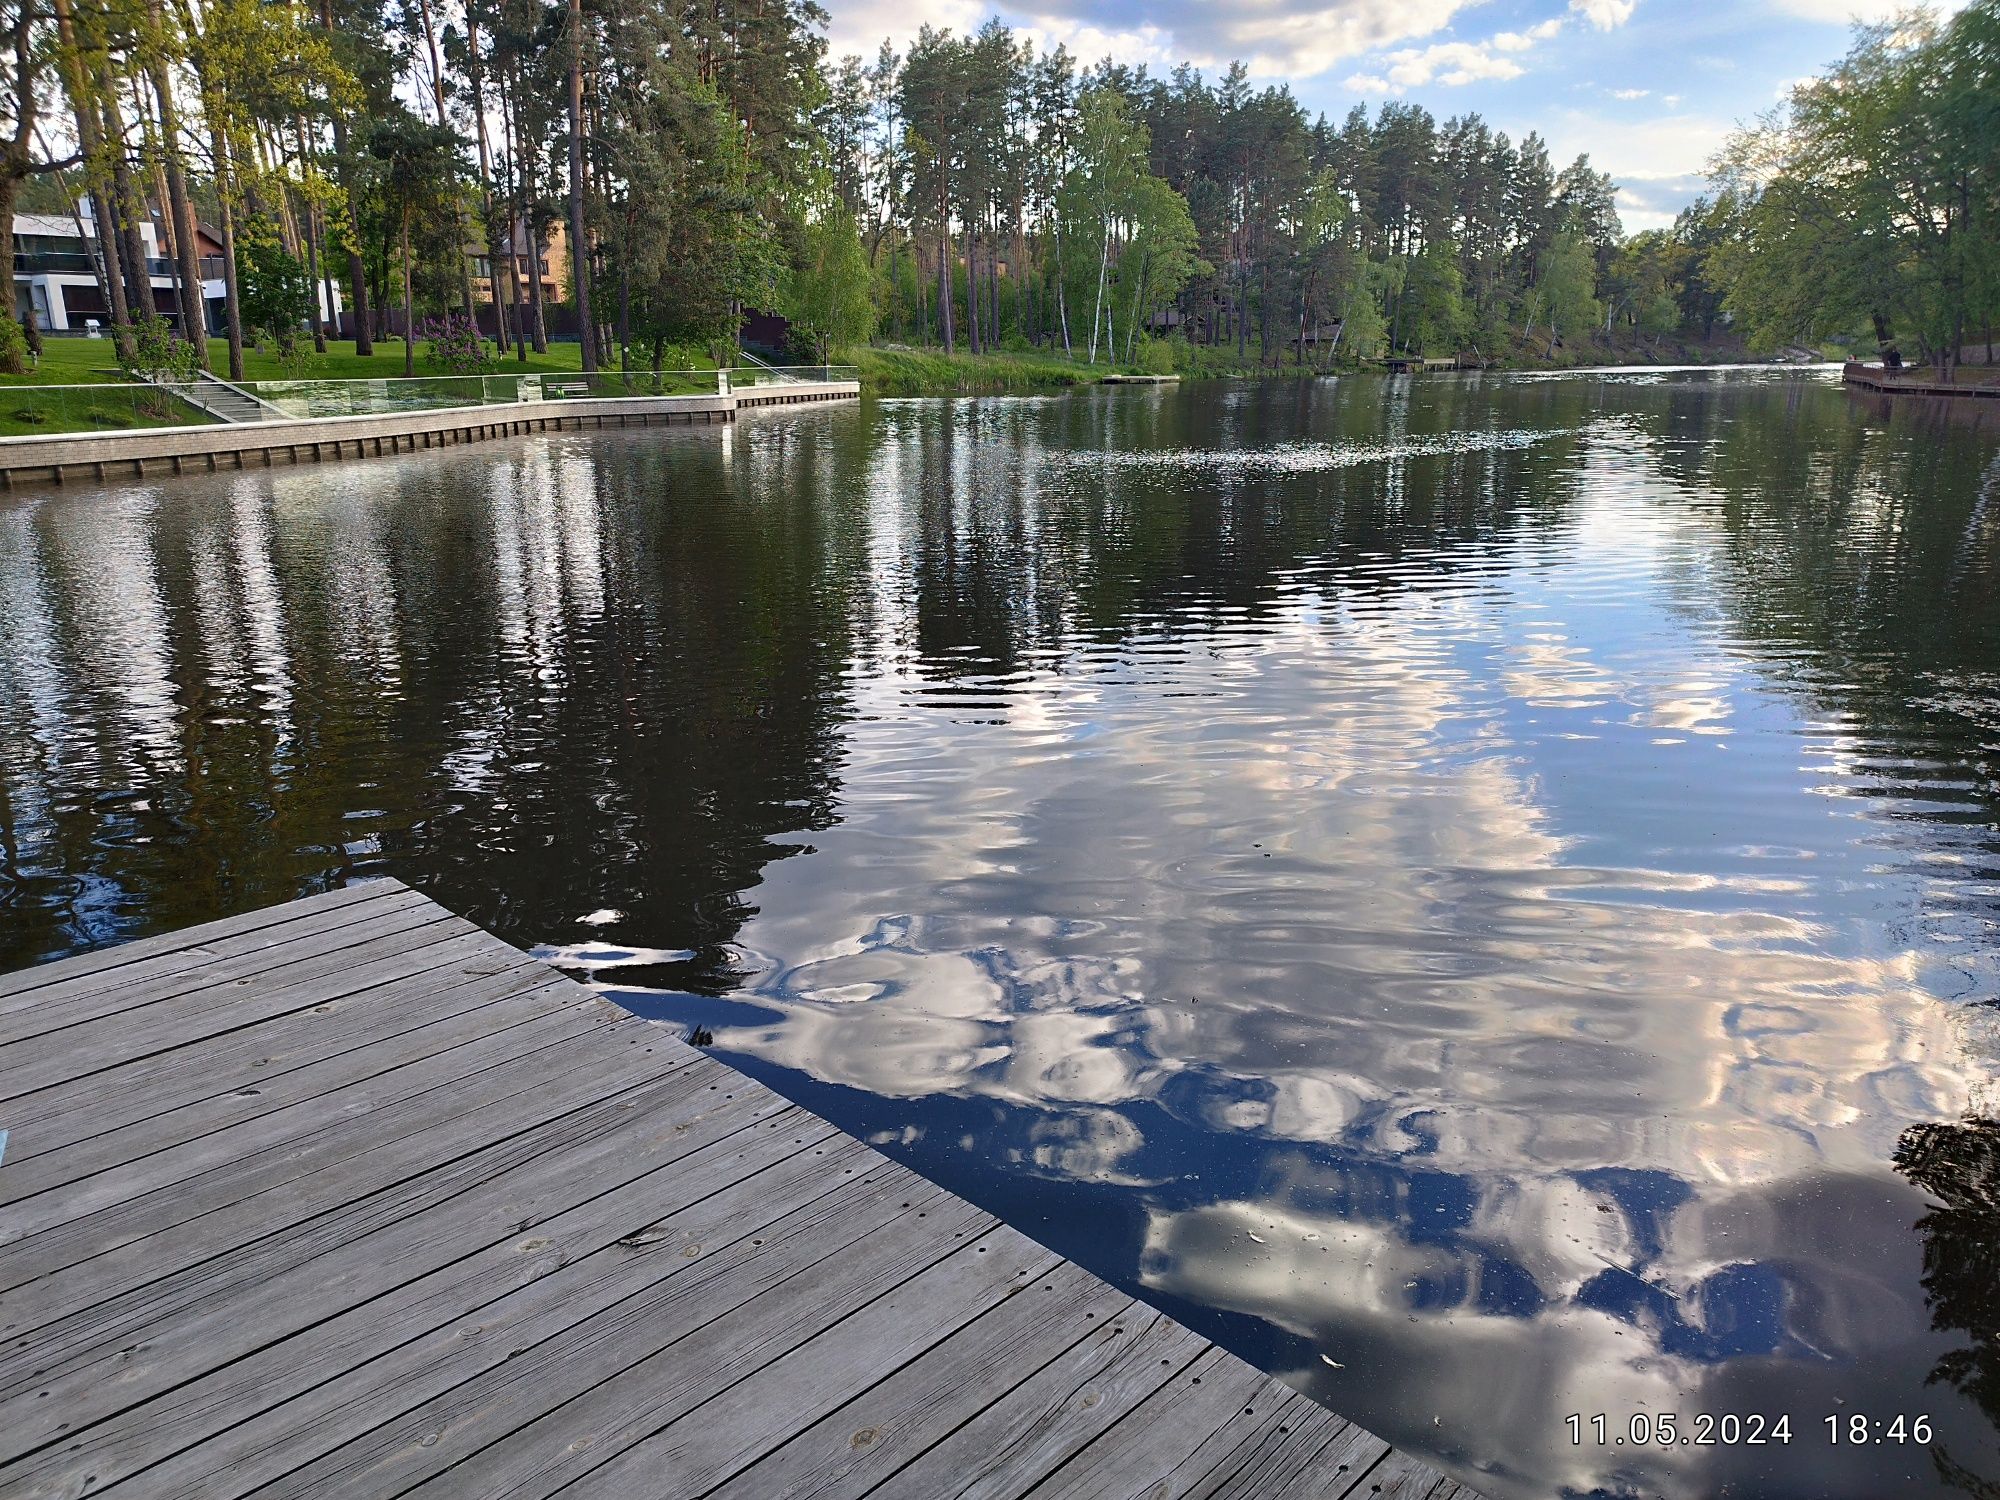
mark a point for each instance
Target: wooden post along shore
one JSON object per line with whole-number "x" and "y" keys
{"x": 347, "y": 1197}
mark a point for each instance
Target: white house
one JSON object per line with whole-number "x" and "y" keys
{"x": 54, "y": 277}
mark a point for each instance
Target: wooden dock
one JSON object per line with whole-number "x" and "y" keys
{"x": 1921, "y": 380}
{"x": 136, "y": 452}
{"x": 347, "y": 1197}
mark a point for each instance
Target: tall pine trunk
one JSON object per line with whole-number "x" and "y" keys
{"x": 579, "y": 245}
{"x": 972, "y": 297}
{"x": 232, "y": 304}
{"x": 126, "y": 203}
{"x": 77, "y": 84}
{"x": 409, "y": 302}
{"x": 187, "y": 254}
{"x": 475, "y": 66}
{"x": 312, "y": 236}
{"x": 944, "y": 269}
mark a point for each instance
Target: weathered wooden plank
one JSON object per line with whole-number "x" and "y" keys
{"x": 83, "y": 966}
{"x": 180, "y": 1181}
{"x": 200, "y": 1317}
{"x": 195, "y": 1090}
{"x": 794, "y": 1345}
{"x": 1400, "y": 1476}
{"x": 661, "y": 1353}
{"x": 1292, "y": 1433}
{"x": 1332, "y": 1473}
{"x": 1256, "y": 1440}
{"x": 184, "y": 971}
{"x": 1028, "y": 1433}
{"x": 123, "y": 1248}
{"x": 391, "y": 958}
{"x": 846, "y": 1453}
{"x": 1146, "y": 1451}
{"x": 383, "y": 1359}
{"x": 698, "y": 1451}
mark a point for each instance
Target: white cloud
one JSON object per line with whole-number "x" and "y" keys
{"x": 1632, "y": 149}
{"x": 1139, "y": 44}
{"x": 1658, "y": 160}
{"x": 1450, "y": 63}
{"x": 1654, "y": 202}
{"x": 1303, "y": 38}
{"x": 1295, "y": 39}
{"x": 1605, "y": 15}
{"x": 859, "y": 26}
{"x": 1841, "y": 12}
{"x": 1521, "y": 41}
{"x": 1630, "y": 93}
{"x": 1454, "y": 64}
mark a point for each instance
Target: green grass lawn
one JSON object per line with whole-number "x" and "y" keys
{"x": 38, "y": 411}
{"x": 926, "y": 372}
{"x": 75, "y": 361}
{"x": 29, "y": 407}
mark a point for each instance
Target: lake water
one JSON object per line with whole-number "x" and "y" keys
{"x": 1479, "y": 893}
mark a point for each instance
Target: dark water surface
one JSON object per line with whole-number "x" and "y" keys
{"x": 1480, "y": 894}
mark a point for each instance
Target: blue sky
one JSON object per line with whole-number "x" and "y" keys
{"x": 1648, "y": 88}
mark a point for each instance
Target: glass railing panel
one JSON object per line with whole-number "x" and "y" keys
{"x": 111, "y": 405}
{"x": 606, "y": 384}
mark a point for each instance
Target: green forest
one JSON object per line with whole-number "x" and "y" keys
{"x": 971, "y": 195}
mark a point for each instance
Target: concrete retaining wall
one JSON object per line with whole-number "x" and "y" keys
{"x": 109, "y": 455}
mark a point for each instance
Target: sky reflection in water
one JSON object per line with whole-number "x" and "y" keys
{"x": 1480, "y": 894}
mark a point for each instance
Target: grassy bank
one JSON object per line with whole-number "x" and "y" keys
{"x": 39, "y": 411}
{"x": 930, "y": 372}
{"x": 75, "y": 361}
{"x": 29, "y": 404}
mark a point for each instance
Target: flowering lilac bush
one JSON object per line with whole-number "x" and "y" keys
{"x": 453, "y": 344}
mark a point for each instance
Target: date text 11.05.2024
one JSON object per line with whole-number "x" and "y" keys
{"x": 1728, "y": 1429}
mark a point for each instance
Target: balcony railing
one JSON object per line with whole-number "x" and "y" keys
{"x": 81, "y": 263}
{"x": 42, "y": 262}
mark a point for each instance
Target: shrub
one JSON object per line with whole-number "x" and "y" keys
{"x": 1151, "y": 356}
{"x": 277, "y": 289}
{"x": 289, "y": 348}
{"x": 453, "y": 344}
{"x": 13, "y": 348}
{"x": 158, "y": 353}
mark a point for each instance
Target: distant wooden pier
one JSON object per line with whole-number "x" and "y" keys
{"x": 1923, "y": 381}
{"x": 135, "y": 453}
{"x": 348, "y": 1197}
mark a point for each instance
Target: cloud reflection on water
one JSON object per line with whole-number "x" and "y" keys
{"x": 1480, "y": 908}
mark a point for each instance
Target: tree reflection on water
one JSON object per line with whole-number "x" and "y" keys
{"x": 1960, "y": 1164}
